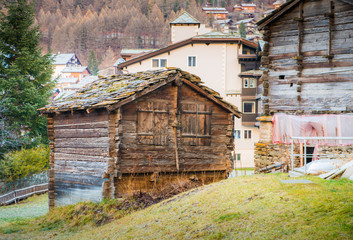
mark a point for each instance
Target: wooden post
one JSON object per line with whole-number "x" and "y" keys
{"x": 51, "y": 171}
{"x": 176, "y": 123}
{"x": 108, "y": 186}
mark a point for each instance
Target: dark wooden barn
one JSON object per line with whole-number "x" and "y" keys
{"x": 126, "y": 133}
{"x": 308, "y": 67}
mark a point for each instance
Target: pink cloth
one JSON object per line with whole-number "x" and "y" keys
{"x": 328, "y": 125}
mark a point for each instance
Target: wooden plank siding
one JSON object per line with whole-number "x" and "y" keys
{"x": 319, "y": 77}
{"x": 81, "y": 155}
{"x": 144, "y": 157}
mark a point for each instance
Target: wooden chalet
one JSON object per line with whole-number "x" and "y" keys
{"x": 129, "y": 132}
{"x": 308, "y": 67}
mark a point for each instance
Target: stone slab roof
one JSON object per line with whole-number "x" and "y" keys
{"x": 117, "y": 90}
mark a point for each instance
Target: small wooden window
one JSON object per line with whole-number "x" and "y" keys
{"x": 196, "y": 124}
{"x": 152, "y": 123}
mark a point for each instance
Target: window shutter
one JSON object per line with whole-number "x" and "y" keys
{"x": 152, "y": 123}
{"x": 196, "y": 124}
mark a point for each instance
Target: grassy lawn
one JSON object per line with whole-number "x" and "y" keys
{"x": 250, "y": 207}
{"x": 31, "y": 207}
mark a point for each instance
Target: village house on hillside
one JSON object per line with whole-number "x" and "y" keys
{"x": 217, "y": 13}
{"x": 308, "y": 78}
{"x": 69, "y": 74}
{"x": 246, "y": 10}
{"x": 124, "y": 131}
{"x": 64, "y": 60}
{"x": 217, "y": 58}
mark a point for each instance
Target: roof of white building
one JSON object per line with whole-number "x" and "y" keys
{"x": 185, "y": 17}
{"x": 136, "y": 51}
{"x": 248, "y": 5}
{"x": 79, "y": 69}
{"x": 120, "y": 60}
{"x": 62, "y": 59}
{"x": 214, "y": 9}
{"x": 245, "y": 21}
{"x": 66, "y": 80}
{"x": 212, "y": 35}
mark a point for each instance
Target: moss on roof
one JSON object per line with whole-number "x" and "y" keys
{"x": 107, "y": 91}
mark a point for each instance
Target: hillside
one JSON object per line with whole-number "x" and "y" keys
{"x": 82, "y": 26}
{"x": 253, "y": 207}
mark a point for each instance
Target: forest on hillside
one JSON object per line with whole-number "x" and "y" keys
{"x": 82, "y": 26}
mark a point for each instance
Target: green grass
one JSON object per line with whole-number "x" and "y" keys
{"x": 250, "y": 207}
{"x": 31, "y": 207}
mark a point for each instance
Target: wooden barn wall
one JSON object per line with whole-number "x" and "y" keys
{"x": 306, "y": 78}
{"x": 81, "y": 156}
{"x": 137, "y": 156}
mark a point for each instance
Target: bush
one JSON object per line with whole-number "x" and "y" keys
{"x": 24, "y": 162}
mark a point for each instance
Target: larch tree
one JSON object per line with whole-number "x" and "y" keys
{"x": 25, "y": 73}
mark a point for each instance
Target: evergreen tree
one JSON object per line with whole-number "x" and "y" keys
{"x": 93, "y": 63}
{"x": 25, "y": 74}
{"x": 242, "y": 30}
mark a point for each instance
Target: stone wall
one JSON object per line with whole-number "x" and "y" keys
{"x": 344, "y": 153}
{"x": 269, "y": 153}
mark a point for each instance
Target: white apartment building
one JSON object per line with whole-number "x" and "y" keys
{"x": 217, "y": 58}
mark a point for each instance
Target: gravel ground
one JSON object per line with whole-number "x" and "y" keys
{"x": 32, "y": 207}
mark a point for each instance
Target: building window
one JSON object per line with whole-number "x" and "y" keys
{"x": 237, "y": 156}
{"x": 155, "y": 63}
{"x": 247, "y": 134}
{"x": 237, "y": 134}
{"x": 192, "y": 61}
{"x": 249, "y": 82}
{"x": 152, "y": 123}
{"x": 248, "y": 107}
{"x": 196, "y": 124}
{"x": 163, "y": 62}
{"x": 252, "y": 83}
{"x": 246, "y": 82}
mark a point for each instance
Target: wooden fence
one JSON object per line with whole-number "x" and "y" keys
{"x": 19, "y": 194}
{"x": 23, "y": 188}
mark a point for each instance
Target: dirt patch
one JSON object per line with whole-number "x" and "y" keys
{"x": 141, "y": 200}
{"x": 108, "y": 210}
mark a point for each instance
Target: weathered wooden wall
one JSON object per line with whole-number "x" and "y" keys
{"x": 174, "y": 129}
{"x": 144, "y": 149}
{"x": 310, "y": 59}
{"x": 81, "y": 155}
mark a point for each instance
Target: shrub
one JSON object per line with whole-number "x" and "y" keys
{"x": 24, "y": 162}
